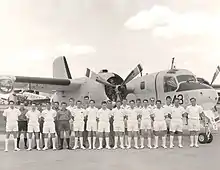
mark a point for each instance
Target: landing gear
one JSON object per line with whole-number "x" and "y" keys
{"x": 205, "y": 138}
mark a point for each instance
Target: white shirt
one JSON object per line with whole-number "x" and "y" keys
{"x": 177, "y": 112}
{"x": 49, "y": 115}
{"x": 194, "y": 111}
{"x": 139, "y": 110}
{"x": 151, "y": 108}
{"x": 118, "y": 114}
{"x": 168, "y": 109}
{"x": 125, "y": 107}
{"x": 159, "y": 114}
{"x": 131, "y": 114}
{"x": 11, "y": 115}
{"x": 79, "y": 114}
{"x": 92, "y": 114}
{"x": 146, "y": 114}
{"x": 104, "y": 115}
{"x": 33, "y": 116}
{"x": 71, "y": 108}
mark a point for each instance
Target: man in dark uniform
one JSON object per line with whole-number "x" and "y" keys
{"x": 111, "y": 134}
{"x": 63, "y": 118}
{"x": 22, "y": 125}
{"x": 85, "y": 132}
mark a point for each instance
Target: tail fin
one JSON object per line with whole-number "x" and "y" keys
{"x": 61, "y": 68}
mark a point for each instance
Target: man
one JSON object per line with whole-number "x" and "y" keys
{"x": 11, "y": 117}
{"x": 56, "y": 108}
{"x": 92, "y": 123}
{"x": 22, "y": 125}
{"x": 159, "y": 124}
{"x": 71, "y": 108}
{"x": 103, "y": 116}
{"x": 118, "y": 124}
{"x": 132, "y": 124}
{"x": 125, "y": 106}
{"x": 85, "y": 132}
{"x": 138, "y": 109}
{"x": 86, "y": 102}
{"x": 111, "y": 133}
{"x": 146, "y": 127}
{"x": 168, "y": 107}
{"x": 78, "y": 116}
{"x": 194, "y": 112}
{"x": 49, "y": 116}
{"x": 176, "y": 124}
{"x": 152, "y": 106}
{"x": 63, "y": 118}
{"x": 33, "y": 116}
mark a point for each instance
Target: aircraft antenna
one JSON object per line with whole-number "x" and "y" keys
{"x": 172, "y": 65}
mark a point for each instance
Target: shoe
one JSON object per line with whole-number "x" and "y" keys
{"x": 155, "y": 147}
{"x": 69, "y": 148}
{"x": 16, "y": 149}
{"x": 75, "y": 147}
{"x": 136, "y": 147}
{"x": 191, "y": 145}
{"x": 83, "y": 148}
{"x": 51, "y": 147}
{"x": 54, "y": 148}
{"x": 164, "y": 146}
{"x": 90, "y": 148}
{"x": 35, "y": 147}
{"x": 39, "y": 149}
{"x": 128, "y": 147}
{"x": 60, "y": 148}
{"x": 6, "y": 150}
{"x": 149, "y": 146}
{"x": 45, "y": 148}
{"x": 29, "y": 149}
{"x": 142, "y": 147}
{"x": 122, "y": 147}
{"x": 171, "y": 146}
{"x": 196, "y": 145}
{"x": 25, "y": 147}
{"x": 99, "y": 148}
{"x": 115, "y": 147}
{"x": 180, "y": 146}
{"x": 108, "y": 147}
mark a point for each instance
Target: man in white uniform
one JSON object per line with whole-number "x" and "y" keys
{"x": 176, "y": 124}
{"x": 146, "y": 119}
{"x": 125, "y": 106}
{"x": 78, "y": 125}
{"x": 71, "y": 107}
{"x": 49, "y": 116}
{"x": 132, "y": 123}
{"x": 103, "y": 116}
{"x": 194, "y": 112}
{"x": 33, "y": 116}
{"x": 159, "y": 124}
{"x": 11, "y": 117}
{"x": 168, "y": 106}
{"x": 92, "y": 123}
{"x": 118, "y": 124}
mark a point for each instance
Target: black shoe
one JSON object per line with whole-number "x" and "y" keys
{"x": 50, "y": 147}
{"x": 35, "y": 147}
{"x": 60, "y": 148}
{"x": 25, "y": 147}
{"x": 69, "y": 148}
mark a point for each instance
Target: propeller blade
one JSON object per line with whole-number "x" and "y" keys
{"x": 133, "y": 74}
{"x": 215, "y": 74}
{"x": 92, "y": 75}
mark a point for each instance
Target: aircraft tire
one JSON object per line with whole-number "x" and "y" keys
{"x": 203, "y": 138}
{"x": 210, "y": 139}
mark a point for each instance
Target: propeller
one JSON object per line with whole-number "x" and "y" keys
{"x": 215, "y": 74}
{"x": 118, "y": 89}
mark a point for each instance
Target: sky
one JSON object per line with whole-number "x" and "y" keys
{"x": 111, "y": 34}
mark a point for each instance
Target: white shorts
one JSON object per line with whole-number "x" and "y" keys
{"x": 78, "y": 126}
{"x": 132, "y": 126}
{"x": 119, "y": 126}
{"x": 33, "y": 128}
{"x": 49, "y": 128}
{"x": 103, "y": 126}
{"x": 160, "y": 125}
{"x": 91, "y": 126}
{"x": 194, "y": 125}
{"x": 146, "y": 124}
{"x": 176, "y": 125}
{"x": 11, "y": 127}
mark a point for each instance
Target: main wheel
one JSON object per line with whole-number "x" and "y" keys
{"x": 203, "y": 138}
{"x": 210, "y": 138}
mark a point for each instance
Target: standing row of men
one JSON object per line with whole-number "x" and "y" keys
{"x": 72, "y": 120}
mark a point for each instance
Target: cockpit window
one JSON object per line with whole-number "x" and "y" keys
{"x": 170, "y": 84}
{"x": 184, "y": 78}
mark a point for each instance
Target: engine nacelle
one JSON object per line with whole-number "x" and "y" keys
{"x": 6, "y": 84}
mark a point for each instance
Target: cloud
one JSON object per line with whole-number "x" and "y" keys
{"x": 67, "y": 49}
{"x": 169, "y": 24}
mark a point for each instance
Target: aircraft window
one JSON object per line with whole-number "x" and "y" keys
{"x": 182, "y": 78}
{"x": 142, "y": 85}
{"x": 170, "y": 84}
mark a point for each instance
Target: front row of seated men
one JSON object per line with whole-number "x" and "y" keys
{"x": 134, "y": 118}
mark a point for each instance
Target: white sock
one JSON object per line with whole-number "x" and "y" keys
{"x": 76, "y": 141}
{"x": 121, "y": 141}
{"x": 29, "y": 143}
{"x": 38, "y": 143}
{"x": 149, "y": 141}
{"x": 192, "y": 139}
{"x": 107, "y": 141}
{"x": 156, "y": 141}
{"x": 129, "y": 141}
{"x": 196, "y": 139}
{"x": 6, "y": 144}
{"x": 81, "y": 141}
{"x": 180, "y": 140}
{"x": 135, "y": 141}
{"x": 171, "y": 140}
{"x": 46, "y": 142}
{"x": 142, "y": 141}
{"x": 164, "y": 140}
{"x": 100, "y": 142}
{"x": 90, "y": 142}
{"x": 116, "y": 141}
{"x": 15, "y": 143}
{"x": 54, "y": 142}
{"x": 94, "y": 140}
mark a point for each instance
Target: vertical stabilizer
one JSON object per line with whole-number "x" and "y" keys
{"x": 61, "y": 68}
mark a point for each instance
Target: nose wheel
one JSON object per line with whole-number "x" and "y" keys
{"x": 205, "y": 138}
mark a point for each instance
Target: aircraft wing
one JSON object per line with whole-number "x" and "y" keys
{"x": 48, "y": 85}
{"x": 216, "y": 86}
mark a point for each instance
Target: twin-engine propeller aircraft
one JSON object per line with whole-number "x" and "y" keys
{"x": 105, "y": 85}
